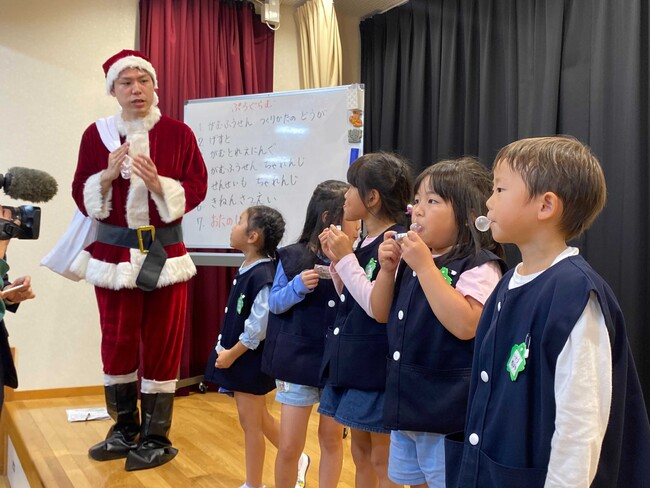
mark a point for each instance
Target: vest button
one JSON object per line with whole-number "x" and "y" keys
{"x": 400, "y": 314}
{"x": 336, "y": 331}
{"x": 473, "y": 439}
{"x": 225, "y": 310}
{"x": 234, "y": 282}
{"x": 331, "y": 304}
{"x": 342, "y": 297}
{"x": 396, "y": 355}
{"x": 414, "y": 274}
{"x": 484, "y": 376}
{"x": 498, "y": 306}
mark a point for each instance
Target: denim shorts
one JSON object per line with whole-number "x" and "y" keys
{"x": 296, "y": 395}
{"x": 357, "y": 409}
{"x": 417, "y": 458}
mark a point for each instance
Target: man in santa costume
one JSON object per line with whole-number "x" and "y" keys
{"x": 138, "y": 173}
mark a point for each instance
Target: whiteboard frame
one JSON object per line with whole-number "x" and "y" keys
{"x": 228, "y": 259}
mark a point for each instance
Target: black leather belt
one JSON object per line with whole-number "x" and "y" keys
{"x": 149, "y": 241}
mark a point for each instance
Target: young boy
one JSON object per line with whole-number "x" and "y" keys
{"x": 554, "y": 398}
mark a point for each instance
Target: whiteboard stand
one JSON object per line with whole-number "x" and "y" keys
{"x": 234, "y": 260}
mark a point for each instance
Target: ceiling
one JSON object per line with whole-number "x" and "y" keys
{"x": 354, "y": 8}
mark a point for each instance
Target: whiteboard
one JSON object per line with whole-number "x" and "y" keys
{"x": 270, "y": 149}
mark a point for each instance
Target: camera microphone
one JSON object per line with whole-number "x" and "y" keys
{"x": 32, "y": 185}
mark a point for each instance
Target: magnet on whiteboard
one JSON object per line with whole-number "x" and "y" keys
{"x": 354, "y": 136}
{"x": 355, "y": 96}
{"x": 354, "y": 154}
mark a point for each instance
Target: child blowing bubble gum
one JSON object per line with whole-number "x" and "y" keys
{"x": 445, "y": 272}
{"x": 235, "y": 364}
{"x": 354, "y": 364}
{"x": 302, "y": 307}
{"x": 554, "y": 399}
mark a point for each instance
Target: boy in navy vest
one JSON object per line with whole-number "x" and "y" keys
{"x": 555, "y": 399}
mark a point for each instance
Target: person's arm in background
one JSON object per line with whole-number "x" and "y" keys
{"x": 13, "y": 298}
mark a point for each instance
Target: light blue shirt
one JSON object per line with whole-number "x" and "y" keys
{"x": 256, "y": 323}
{"x": 284, "y": 293}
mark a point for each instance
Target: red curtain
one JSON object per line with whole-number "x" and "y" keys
{"x": 205, "y": 49}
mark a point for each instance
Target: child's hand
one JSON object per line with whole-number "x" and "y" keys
{"x": 224, "y": 359}
{"x": 309, "y": 278}
{"x": 416, "y": 253}
{"x": 389, "y": 252}
{"x": 339, "y": 243}
{"x": 322, "y": 237}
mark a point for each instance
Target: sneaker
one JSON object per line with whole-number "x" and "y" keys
{"x": 303, "y": 466}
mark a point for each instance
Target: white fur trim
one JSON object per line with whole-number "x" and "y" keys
{"x": 153, "y": 386}
{"x": 125, "y": 127}
{"x": 137, "y": 203}
{"x": 97, "y": 206}
{"x": 123, "y": 275}
{"x": 129, "y": 62}
{"x": 120, "y": 379}
{"x": 171, "y": 204}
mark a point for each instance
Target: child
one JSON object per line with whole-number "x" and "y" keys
{"x": 436, "y": 305}
{"x": 354, "y": 364}
{"x": 241, "y": 342}
{"x": 302, "y": 307}
{"x": 554, "y": 398}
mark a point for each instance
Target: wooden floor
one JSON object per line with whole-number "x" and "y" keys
{"x": 53, "y": 451}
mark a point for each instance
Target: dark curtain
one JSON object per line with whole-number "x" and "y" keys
{"x": 451, "y": 77}
{"x": 205, "y": 49}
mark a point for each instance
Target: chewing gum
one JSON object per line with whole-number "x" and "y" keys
{"x": 323, "y": 271}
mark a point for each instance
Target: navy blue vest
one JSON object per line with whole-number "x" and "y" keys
{"x": 295, "y": 339}
{"x": 356, "y": 345}
{"x": 510, "y": 423}
{"x": 428, "y": 367}
{"x": 245, "y": 374}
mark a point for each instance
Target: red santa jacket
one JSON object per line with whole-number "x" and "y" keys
{"x": 183, "y": 176}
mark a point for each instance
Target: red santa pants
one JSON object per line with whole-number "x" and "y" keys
{"x": 155, "y": 318}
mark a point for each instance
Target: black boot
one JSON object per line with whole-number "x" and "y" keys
{"x": 122, "y": 406}
{"x": 154, "y": 448}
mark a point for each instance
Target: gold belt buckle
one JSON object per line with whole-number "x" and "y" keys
{"x": 139, "y": 231}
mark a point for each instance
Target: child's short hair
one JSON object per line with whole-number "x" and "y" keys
{"x": 565, "y": 166}
{"x": 466, "y": 185}
{"x": 388, "y": 174}
{"x": 270, "y": 224}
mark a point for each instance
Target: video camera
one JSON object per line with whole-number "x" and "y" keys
{"x": 28, "y": 226}
{"x": 24, "y": 222}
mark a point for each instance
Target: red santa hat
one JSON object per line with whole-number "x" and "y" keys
{"x": 123, "y": 60}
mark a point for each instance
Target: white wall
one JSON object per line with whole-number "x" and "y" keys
{"x": 286, "y": 57}
{"x": 51, "y": 89}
